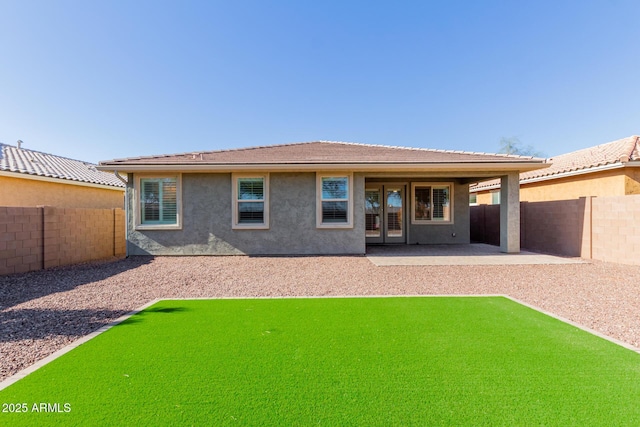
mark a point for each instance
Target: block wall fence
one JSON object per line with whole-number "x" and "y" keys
{"x": 600, "y": 228}
{"x": 35, "y": 238}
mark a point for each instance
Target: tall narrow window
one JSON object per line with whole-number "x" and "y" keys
{"x": 441, "y": 203}
{"x": 422, "y": 203}
{"x": 250, "y": 202}
{"x": 159, "y": 202}
{"x": 334, "y": 204}
{"x": 495, "y": 197}
{"x": 431, "y": 203}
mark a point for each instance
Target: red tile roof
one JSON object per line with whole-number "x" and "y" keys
{"x": 30, "y": 162}
{"x": 620, "y": 151}
{"x": 615, "y": 153}
{"x": 322, "y": 152}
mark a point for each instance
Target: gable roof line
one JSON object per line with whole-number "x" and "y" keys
{"x": 433, "y": 150}
{"x": 634, "y": 150}
{"x": 258, "y": 147}
{"x": 28, "y": 150}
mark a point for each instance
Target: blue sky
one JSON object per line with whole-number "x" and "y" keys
{"x": 101, "y": 80}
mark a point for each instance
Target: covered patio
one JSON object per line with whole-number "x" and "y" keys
{"x": 472, "y": 254}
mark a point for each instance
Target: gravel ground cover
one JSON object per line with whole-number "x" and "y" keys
{"x": 41, "y": 312}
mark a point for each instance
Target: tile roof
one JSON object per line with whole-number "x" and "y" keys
{"x": 320, "y": 152}
{"x": 612, "y": 153}
{"x": 30, "y": 162}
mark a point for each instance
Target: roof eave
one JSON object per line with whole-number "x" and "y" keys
{"x": 310, "y": 167}
{"x": 602, "y": 168}
{"x": 24, "y": 175}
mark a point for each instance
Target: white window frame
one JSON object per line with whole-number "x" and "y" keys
{"x": 137, "y": 192}
{"x": 432, "y": 185}
{"x": 319, "y": 200}
{"x": 236, "y": 224}
{"x": 495, "y": 197}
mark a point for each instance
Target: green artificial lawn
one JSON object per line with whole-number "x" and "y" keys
{"x": 342, "y": 361}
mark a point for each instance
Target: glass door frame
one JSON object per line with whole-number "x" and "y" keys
{"x": 383, "y": 188}
{"x": 402, "y": 217}
{"x": 377, "y": 218}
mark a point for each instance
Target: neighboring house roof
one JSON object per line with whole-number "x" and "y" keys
{"x": 318, "y": 153}
{"x": 30, "y": 163}
{"x": 612, "y": 155}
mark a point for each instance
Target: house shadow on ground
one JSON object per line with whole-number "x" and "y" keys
{"x": 16, "y": 289}
{"x": 36, "y": 323}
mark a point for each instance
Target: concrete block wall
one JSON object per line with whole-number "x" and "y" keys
{"x": 600, "y": 228}
{"x": 44, "y": 237}
{"x": 21, "y": 239}
{"x": 119, "y": 235}
{"x": 616, "y": 229}
{"x": 555, "y": 227}
{"x": 586, "y": 249}
{"x": 485, "y": 224}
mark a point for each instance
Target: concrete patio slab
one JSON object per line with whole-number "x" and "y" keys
{"x": 473, "y": 254}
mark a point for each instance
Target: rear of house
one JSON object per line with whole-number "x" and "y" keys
{"x": 307, "y": 198}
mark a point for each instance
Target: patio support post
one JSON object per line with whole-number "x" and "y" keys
{"x": 510, "y": 213}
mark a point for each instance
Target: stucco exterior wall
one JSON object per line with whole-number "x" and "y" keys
{"x": 599, "y": 184}
{"x": 454, "y": 233}
{"x": 207, "y": 222}
{"x": 617, "y": 182}
{"x": 484, "y": 197}
{"x": 21, "y": 192}
{"x": 632, "y": 181}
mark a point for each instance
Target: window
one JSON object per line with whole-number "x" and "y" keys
{"x": 250, "y": 201}
{"x": 159, "y": 202}
{"x": 432, "y": 203}
{"x": 495, "y": 197}
{"x": 334, "y": 202}
{"x": 473, "y": 199}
